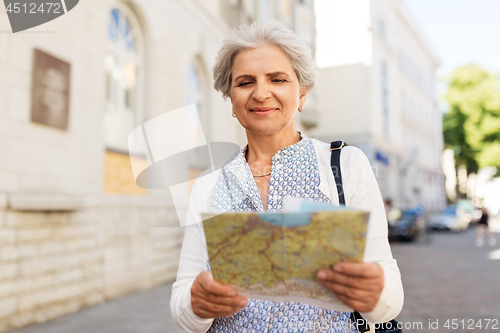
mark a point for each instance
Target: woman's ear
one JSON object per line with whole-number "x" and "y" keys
{"x": 303, "y": 95}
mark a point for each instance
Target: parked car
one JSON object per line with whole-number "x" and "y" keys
{"x": 453, "y": 217}
{"x": 407, "y": 226}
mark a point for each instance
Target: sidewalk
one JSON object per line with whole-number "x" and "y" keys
{"x": 437, "y": 278}
{"x": 143, "y": 312}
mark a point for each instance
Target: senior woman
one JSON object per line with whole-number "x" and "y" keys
{"x": 266, "y": 71}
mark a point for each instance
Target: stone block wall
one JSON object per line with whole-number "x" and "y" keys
{"x": 55, "y": 263}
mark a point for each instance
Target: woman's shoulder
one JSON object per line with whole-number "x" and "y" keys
{"x": 349, "y": 155}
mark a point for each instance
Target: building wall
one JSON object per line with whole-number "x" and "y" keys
{"x": 343, "y": 92}
{"x": 54, "y": 263}
{"x": 385, "y": 101}
{"x": 65, "y": 242}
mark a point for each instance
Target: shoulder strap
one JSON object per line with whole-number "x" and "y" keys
{"x": 361, "y": 324}
{"x": 335, "y": 148}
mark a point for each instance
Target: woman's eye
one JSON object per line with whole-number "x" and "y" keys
{"x": 243, "y": 84}
{"x": 279, "y": 80}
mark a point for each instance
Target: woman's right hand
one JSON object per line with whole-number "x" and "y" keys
{"x": 212, "y": 299}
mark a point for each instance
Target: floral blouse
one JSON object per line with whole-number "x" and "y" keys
{"x": 295, "y": 173}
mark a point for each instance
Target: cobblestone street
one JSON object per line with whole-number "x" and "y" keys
{"x": 450, "y": 279}
{"x": 447, "y": 279}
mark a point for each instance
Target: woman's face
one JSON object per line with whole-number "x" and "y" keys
{"x": 265, "y": 90}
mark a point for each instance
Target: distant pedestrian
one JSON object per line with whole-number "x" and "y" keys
{"x": 482, "y": 226}
{"x": 392, "y": 213}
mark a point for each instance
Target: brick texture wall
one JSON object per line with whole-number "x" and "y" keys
{"x": 55, "y": 263}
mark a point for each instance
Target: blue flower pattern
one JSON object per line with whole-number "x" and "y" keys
{"x": 295, "y": 173}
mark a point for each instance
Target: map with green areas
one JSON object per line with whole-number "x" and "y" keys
{"x": 275, "y": 256}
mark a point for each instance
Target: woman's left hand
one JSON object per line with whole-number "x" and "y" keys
{"x": 357, "y": 284}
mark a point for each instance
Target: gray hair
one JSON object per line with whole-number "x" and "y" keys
{"x": 260, "y": 33}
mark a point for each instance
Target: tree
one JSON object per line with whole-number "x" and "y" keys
{"x": 472, "y": 124}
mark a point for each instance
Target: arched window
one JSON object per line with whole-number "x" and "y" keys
{"x": 123, "y": 64}
{"x": 196, "y": 93}
{"x": 197, "y": 89}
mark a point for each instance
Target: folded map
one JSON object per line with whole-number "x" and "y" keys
{"x": 275, "y": 256}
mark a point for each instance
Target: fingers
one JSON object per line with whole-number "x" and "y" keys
{"x": 212, "y": 299}
{"x": 350, "y": 289}
{"x": 365, "y": 269}
{"x": 328, "y": 277}
{"x": 205, "y": 283}
{"x": 358, "y": 285}
{"x": 359, "y": 305}
{"x": 218, "y": 289}
{"x": 210, "y": 308}
{"x": 236, "y": 301}
{"x": 362, "y": 300}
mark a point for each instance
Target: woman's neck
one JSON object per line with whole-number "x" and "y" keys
{"x": 261, "y": 148}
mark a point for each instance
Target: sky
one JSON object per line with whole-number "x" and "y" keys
{"x": 460, "y": 31}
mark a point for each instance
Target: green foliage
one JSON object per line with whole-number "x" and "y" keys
{"x": 472, "y": 124}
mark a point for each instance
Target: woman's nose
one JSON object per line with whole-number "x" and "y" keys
{"x": 261, "y": 92}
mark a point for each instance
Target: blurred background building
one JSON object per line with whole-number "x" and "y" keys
{"x": 377, "y": 91}
{"x": 75, "y": 229}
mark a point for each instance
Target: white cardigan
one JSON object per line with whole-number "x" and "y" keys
{"x": 361, "y": 192}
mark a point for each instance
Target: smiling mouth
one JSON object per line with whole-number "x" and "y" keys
{"x": 263, "y": 111}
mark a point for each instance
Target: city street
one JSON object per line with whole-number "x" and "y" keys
{"x": 447, "y": 279}
{"x": 450, "y": 279}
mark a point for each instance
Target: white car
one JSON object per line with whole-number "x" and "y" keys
{"x": 452, "y": 218}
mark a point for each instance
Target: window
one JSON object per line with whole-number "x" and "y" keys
{"x": 196, "y": 94}
{"x": 385, "y": 100}
{"x": 123, "y": 64}
{"x": 381, "y": 29}
{"x": 403, "y": 106}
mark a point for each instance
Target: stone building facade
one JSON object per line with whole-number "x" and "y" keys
{"x": 75, "y": 229}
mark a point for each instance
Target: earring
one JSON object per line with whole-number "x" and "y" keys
{"x": 234, "y": 116}
{"x": 300, "y": 109}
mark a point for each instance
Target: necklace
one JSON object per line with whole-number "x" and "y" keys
{"x": 266, "y": 174}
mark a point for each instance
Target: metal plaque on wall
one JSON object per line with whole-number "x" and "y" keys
{"x": 50, "y": 92}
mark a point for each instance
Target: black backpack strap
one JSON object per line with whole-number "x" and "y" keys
{"x": 335, "y": 148}
{"x": 359, "y": 322}
{"x": 356, "y": 318}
